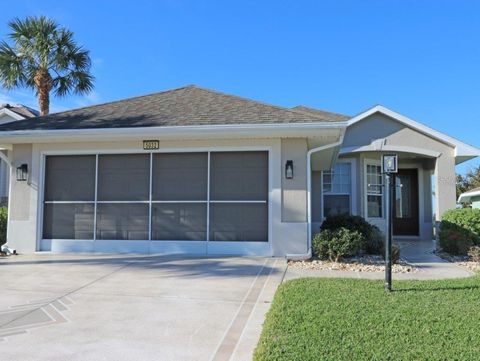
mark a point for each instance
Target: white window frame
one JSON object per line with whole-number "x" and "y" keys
{"x": 145, "y": 246}
{"x": 377, "y": 163}
{"x": 353, "y": 186}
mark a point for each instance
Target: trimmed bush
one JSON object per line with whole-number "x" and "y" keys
{"x": 371, "y": 238}
{"x": 3, "y": 224}
{"x": 474, "y": 254}
{"x": 460, "y": 230}
{"x": 374, "y": 244}
{"x": 455, "y": 240}
{"x": 395, "y": 253}
{"x": 336, "y": 244}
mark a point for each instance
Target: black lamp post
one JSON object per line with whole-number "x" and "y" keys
{"x": 390, "y": 168}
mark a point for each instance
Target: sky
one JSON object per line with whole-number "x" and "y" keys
{"x": 419, "y": 58}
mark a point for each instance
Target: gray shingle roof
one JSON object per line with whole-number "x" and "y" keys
{"x": 325, "y": 116}
{"x": 184, "y": 106}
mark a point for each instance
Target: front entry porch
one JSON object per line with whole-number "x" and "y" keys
{"x": 356, "y": 185}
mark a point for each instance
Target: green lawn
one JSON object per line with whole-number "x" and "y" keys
{"x": 351, "y": 319}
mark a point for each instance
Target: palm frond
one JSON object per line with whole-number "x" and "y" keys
{"x": 40, "y": 45}
{"x": 12, "y": 67}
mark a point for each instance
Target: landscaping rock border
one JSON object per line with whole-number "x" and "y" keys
{"x": 357, "y": 264}
{"x": 462, "y": 261}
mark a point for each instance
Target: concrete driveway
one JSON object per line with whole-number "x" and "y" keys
{"x": 91, "y": 307}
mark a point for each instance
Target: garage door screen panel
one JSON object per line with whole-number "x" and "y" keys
{"x": 69, "y": 197}
{"x": 189, "y": 196}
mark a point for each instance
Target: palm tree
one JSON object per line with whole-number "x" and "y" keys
{"x": 44, "y": 57}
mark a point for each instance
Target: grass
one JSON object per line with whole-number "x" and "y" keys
{"x": 351, "y": 319}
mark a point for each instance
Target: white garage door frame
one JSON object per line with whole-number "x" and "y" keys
{"x": 206, "y": 247}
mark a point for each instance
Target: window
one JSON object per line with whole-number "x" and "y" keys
{"x": 337, "y": 190}
{"x": 201, "y": 196}
{"x": 374, "y": 191}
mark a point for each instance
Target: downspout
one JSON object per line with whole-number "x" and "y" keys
{"x": 301, "y": 256}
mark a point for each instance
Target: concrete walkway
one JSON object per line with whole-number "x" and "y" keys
{"x": 97, "y": 307}
{"x": 419, "y": 254}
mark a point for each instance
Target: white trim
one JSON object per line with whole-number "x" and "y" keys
{"x": 466, "y": 196}
{"x": 69, "y": 202}
{"x": 245, "y": 201}
{"x": 157, "y": 246}
{"x": 150, "y": 198}
{"x": 390, "y": 148}
{"x": 268, "y": 130}
{"x": 123, "y": 202}
{"x": 461, "y": 149}
{"x": 178, "y": 202}
{"x": 11, "y": 114}
{"x": 208, "y": 202}
{"x": 377, "y": 163}
{"x": 96, "y": 200}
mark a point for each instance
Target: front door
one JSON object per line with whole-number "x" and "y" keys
{"x": 405, "y": 217}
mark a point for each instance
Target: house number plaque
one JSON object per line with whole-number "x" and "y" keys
{"x": 151, "y": 144}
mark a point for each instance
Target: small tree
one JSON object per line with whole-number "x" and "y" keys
{"x": 468, "y": 181}
{"x": 44, "y": 57}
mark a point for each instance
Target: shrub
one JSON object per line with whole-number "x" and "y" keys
{"x": 459, "y": 230}
{"x": 3, "y": 224}
{"x": 374, "y": 244}
{"x": 466, "y": 218}
{"x": 474, "y": 254}
{"x": 395, "y": 253}
{"x": 336, "y": 244}
{"x": 371, "y": 238}
{"x": 455, "y": 240}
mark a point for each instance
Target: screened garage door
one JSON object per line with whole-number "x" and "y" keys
{"x": 203, "y": 198}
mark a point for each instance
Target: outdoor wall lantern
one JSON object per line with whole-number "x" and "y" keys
{"x": 22, "y": 173}
{"x": 289, "y": 169}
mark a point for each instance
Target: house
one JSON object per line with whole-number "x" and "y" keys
{"x": 10, "y": 113}
{"x": 472, "y": 196}
{"x": 196, "y": 171}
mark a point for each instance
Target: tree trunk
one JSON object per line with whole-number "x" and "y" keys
{"x": 43, "y": 82}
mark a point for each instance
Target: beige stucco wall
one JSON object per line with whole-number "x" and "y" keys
{"x": 287, "y": 208}
{"x": 22, "y": 211}
{"x": 379, "y": 126}
{"x": 294, "y": 197}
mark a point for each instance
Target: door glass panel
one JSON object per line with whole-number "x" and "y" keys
{"x": 403, "y": 202}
